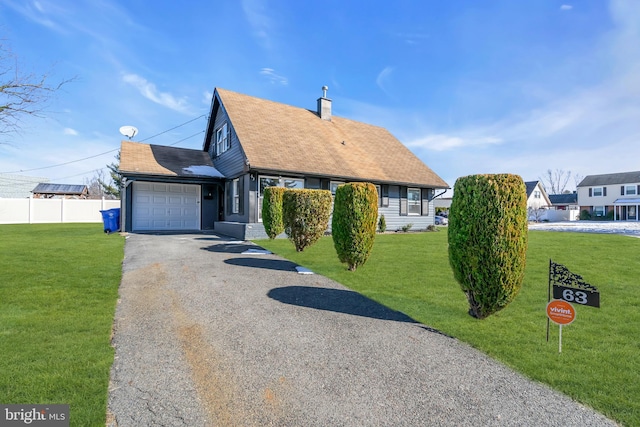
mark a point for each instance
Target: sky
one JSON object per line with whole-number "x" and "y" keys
{"x": 497, "y": 86}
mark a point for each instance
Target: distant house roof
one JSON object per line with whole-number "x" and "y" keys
{"x": 564, "y": 199}
{"x": 610, "y": 179}
{"x": 531, "y": 185}
{"x": 18, "y": 186}
{"x": 284, "y": 138}
{"x": 146, "y": 159}
{"x": 60, "y": 189}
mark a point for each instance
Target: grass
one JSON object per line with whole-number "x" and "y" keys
{"x": 58, "y": 291}
{"x": 600, "y": 361}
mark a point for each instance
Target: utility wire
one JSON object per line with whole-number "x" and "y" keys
{"x": 110, "y": 151}
{"x": 169, "y": 130}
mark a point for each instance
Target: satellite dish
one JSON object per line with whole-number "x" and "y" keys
{"x": 129, "y": 131}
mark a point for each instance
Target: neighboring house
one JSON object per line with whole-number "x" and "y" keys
{"x": 253, "y": 143}
{"x": 536, "y": 196}
{"x": 564, "y": 202}
{"x": 443, "y": 203}
{"x": 616, "y": 195}
{"x": 60, "y": 191}
{"x": 17, "y": 186}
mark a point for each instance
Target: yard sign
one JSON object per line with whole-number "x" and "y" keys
{"x": 570, "y": 287}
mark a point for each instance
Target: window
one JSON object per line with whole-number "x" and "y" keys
{"x": 274, "y": 181}
{"x": 222, "y": 139}
{"x": 537, "y": 194}
{"x": 235, "y": 207}
{"x": 597, "y": 191}
{"x": 598, "y": 210}
{"x": 333, "y": 186}
{"x": 630, "y": 190}
{"x": 413, "y": 199}
{"x": 384, "y": 196}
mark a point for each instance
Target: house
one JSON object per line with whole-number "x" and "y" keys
{"x": 17, "y": 186}
{"x": 536, "y": 196}
{"x": 563, "y": 202}
{"x": 615, "y": 196}
{"x": 537, "y": 200}
{"x": 252, "y": 143}
{"x": 60, "y": 191}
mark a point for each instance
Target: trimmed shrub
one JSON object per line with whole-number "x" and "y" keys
{"x": 488, "y": 240}
{"x": 585, "y": 215}
{"x": 353, "y": 227}
{"x": 382, "y": 224}
{"x": 305, "y": 215}
{"x": 272, "y": 211}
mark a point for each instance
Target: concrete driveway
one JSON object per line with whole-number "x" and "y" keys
{"x": 208, "y": 336}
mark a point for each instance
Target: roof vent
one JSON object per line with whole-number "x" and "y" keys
{"x": 324, "y": 105}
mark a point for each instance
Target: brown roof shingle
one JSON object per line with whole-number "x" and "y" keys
{"x": 281, "y": 137}
{"x": 146, "y": 159}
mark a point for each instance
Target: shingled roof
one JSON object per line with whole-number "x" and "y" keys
{"x": 284, "y": 138}
{"x": 611, "y": 179}
{"x": 148, "y": 159}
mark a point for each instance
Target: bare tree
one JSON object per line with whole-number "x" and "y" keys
{"x": 21, "y": 94}
{"x": 95, "y": 188}
{"x": 555, "y": 182}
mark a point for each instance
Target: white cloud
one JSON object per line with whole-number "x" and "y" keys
{"x": 69, "y": 131}
{"x": 566, "y": 7}
{"x": 442, "y": 142}
{"x": 383, "y": 77}
{"x": 207, "y": 97}
{"x": 274, "y": 77}
{"x": 254, "y": 11}
{"x": 151, "y": 92}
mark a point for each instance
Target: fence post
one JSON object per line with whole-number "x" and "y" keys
{"x": 31, "y": 208}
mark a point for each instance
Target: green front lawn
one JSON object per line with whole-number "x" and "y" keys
{"x": 58, "y": 291}
{"x": 600, "y": 360}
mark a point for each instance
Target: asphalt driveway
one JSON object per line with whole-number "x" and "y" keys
{"x": 207, "y": 335}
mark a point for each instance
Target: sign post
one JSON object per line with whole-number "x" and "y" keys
{"x": 562, "y": 313}
{"x": 570, "y": 288}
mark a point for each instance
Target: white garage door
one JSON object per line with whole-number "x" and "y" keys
{"x": 158, "y": 206}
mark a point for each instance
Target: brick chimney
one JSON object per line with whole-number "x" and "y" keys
{"x": 324, "y": 105}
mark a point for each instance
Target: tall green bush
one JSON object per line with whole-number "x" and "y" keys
{"x": 272, "y": 211}
{"x": 353, "y": 227}
{"x": 382, "y": 224}
{"x": 488, "y": 239}
{"x": 305, "y": 215}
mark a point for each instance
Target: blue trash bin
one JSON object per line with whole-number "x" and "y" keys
{"x": 111, "y": 220}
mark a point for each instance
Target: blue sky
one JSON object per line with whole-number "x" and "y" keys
{"x": 470, "y": 87}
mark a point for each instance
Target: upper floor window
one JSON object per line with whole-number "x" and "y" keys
{"x": 597, "y": 191}
{"x": 222, "y": 139}
{"x": 630, "y": 190}
{"x": 537, "y": 194}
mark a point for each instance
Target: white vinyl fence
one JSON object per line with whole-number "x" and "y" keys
{"x": 40, "y": 211}
{"x": 553, "y": 215}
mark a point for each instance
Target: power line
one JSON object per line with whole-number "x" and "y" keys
{"x": 111, "y": 151}
{"x": 169, "y": 130}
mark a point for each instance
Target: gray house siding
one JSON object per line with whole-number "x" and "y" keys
{"x": 395, "y": 221}
{"x": 231, "y": 163}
